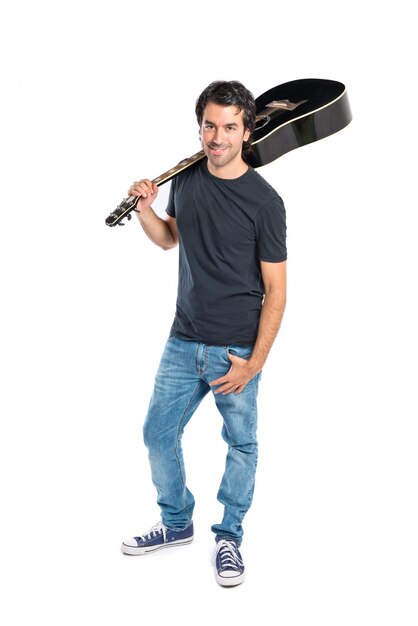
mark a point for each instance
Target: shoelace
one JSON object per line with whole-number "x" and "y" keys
{"x": 226, "y": 550}
{"x": 154, "y": 531}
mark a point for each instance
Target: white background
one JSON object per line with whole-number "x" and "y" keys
{"x": 95, "y": 95}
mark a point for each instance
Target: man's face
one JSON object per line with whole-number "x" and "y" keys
{"x": 222, "y": 135}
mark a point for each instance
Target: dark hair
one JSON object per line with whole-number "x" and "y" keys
{"x": 229, "y": 93}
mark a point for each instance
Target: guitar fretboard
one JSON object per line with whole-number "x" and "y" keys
{"x": 163, "y": 178}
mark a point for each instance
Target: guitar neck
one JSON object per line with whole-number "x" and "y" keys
{"x": 128, "y": 205}
{"x": 183, "y": 165}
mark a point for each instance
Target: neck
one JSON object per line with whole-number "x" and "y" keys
{"x": 229, "y": 171}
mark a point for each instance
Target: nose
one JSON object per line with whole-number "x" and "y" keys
{"x": 218, "y": 136}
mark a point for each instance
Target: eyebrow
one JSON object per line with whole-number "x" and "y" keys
{"x": 227, "y": 123}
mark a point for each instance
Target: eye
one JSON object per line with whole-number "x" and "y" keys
{"x": 208, "y": 126}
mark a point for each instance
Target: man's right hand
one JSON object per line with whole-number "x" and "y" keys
{"x": 147, "y": 192}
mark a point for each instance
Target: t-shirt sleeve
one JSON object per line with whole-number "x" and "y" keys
{"x": 270, "y": 227}
{"x": 171, "y": 209}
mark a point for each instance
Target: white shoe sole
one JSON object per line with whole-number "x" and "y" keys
{"x": 132, "y": 551}
{"x": 230, "y": 581}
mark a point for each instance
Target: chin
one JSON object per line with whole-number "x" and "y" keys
{"x": 222, "y": 159}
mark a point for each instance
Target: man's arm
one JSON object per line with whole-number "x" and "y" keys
{"x": 163, "y": 233}
{"x": 242, "y": 371}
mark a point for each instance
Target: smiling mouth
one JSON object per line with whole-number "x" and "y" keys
{"x": 217, "y": 149}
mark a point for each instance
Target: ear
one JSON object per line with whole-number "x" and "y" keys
{"x": 247, "y": 135}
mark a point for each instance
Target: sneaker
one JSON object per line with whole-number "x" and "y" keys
{"x": 230, "y": 569}
{"x": 157, "y": 537}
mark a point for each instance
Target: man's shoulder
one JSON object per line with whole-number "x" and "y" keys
{"x": 195, "y": 170}
{"x": 259, "y": 180}
{"x": 262, "y": 189}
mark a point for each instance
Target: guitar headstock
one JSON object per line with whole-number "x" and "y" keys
{"x": 123, "y": 210}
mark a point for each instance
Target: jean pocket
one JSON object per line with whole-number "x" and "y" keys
{"x": 244, "y": 352}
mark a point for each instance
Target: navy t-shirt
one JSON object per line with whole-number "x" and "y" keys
{"x": 226, "y": 227}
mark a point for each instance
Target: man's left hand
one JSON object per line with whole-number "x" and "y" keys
{"x": 239, "y": 375}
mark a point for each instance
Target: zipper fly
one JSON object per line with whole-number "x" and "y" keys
{"x": 202, "y": 358}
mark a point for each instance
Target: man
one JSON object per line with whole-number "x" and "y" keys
{"x": 231, "y": 229}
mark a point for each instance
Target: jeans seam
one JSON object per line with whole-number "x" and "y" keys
{"x": 252, "y": 422}
{"x": 183, "y": 481}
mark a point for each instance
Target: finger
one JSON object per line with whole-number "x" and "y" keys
{"x": 218, "y": 381}
{"x": 227, "y": 388}
{"x": 143, "y": 188}
{"x": 135, "y": 190}
{"x": 240, "y": 388}
{"x": 237, "y": 359}
{"x": 140, "y": 191}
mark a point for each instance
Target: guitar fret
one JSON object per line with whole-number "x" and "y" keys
{"x": 178, "y": 168}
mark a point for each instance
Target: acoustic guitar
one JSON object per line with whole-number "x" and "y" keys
{"x": 289, "y": 116}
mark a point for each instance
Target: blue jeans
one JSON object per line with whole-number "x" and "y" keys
{"x": 182, "y": 381}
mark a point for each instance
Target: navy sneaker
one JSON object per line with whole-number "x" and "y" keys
{"x": 230, "y": 569}
{"x": 157, "y": 537}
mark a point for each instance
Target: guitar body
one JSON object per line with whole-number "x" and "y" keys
{"x": 324, "y": 110}
{"x": 288, "y": 116}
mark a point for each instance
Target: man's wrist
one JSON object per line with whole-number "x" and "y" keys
{"x": 254, "y": 365}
